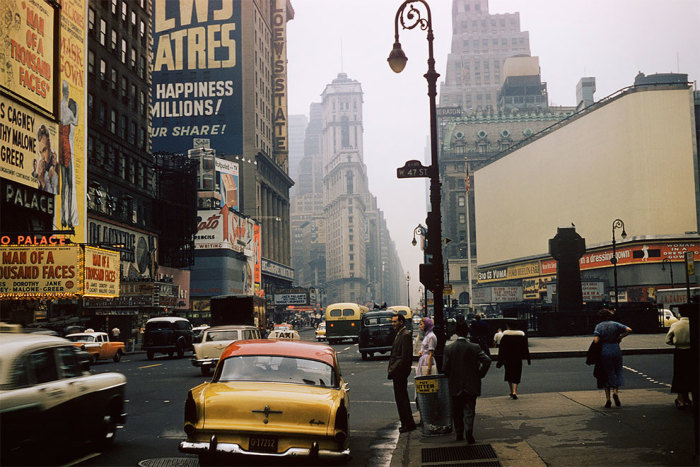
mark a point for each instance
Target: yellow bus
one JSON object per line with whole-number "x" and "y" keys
{"x": 406, "y": 312}
{"x": 343, "y": 321}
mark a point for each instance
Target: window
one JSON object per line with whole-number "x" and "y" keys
{"x": 114, "y": 79}
{"x": 114, "y": 40}
{"x": 68, "y": 361}
{"x": 132, "y": 61}
{"x": 101, "y": 113}
{"x": 91, "y": 62}
{"x": 460, "y": 201}
{"x": 91, "y": 19}
{"x": 103, "y": 69}
{"x": 122, "y": 167}
{"x": 103, "y": 31}
{"x": 462, "y": 219}
{"x": 125, "y": 85}
{"x": 122, "y": 127}
{"x": 123, "y": 51}
{"x": 142, "y": 103}
{"x": 133, "y": 18}
{"x": 463, "y": 273}
{"x": 43, "y": 366}
{"x": 124, "y": 10}
{"x": 132, "y": 135}
{"x": 132, "y": 95}
{"x": 142, "y": 31}
{"x": 113, "y": 121}
{"x": 91, "y": 106}
{"x": 114, "y": 7}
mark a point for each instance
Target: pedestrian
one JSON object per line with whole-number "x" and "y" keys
{"x": 479, "y": 332}
{"x": 683, "y": 371}
{"x": 115, "y": 333}
{"x": 464, "y": 364}
{"x": 426, "y": 360}
{"x": 497, "y": 337}
{"x": 399, "y": 369}
{"x": 609, "y": 333}
{"x": 511, "y": 353}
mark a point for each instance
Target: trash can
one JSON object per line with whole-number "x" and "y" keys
{"x": 433, "y": 399}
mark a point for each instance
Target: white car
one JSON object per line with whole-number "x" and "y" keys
{"x": 215, "y": 340}
{"x": 50, "y": 402}
{"x": 667, "y": 317}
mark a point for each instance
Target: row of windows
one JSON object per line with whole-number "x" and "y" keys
{"x": 128, "y": 130}
{"x": 125, "y": 166}
{"x": 484, "y": 43}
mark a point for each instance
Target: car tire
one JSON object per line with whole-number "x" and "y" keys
{"x": 207, "y": 459}
{"x": 171, "y": 353}
{"x": 364, "y": 356}
{"x": 205, "y": 370}
{"x": 149, "y": 354}
{"x": 117, "y": 356}
{"x": 109, "y": 428}
{"x": 180, "y": 349}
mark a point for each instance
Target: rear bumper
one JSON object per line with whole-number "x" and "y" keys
{"x": 378, "y": 349}
{"x": 213, "y": 447}
{"x": 210, "y": 362}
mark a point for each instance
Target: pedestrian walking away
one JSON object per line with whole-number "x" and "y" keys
{"x": 497, "y": 337}
{"x": 480, "y": 334}
{"x": 399, "y": 369}
{"x": 512, "y": 351}
{"x": 609, "y": 334}
{"x": 464, "y": 364}
{"x": 683, "y": 371}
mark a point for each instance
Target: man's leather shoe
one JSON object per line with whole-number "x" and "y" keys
{"x": 405, "y": 429}
{"x": 470, "y": 439}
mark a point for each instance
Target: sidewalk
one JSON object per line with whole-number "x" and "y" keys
{"x": 566, "y": 428}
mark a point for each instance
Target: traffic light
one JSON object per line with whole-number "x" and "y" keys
{"x": 455, "y": 302}
{"x": 429, "y": 276}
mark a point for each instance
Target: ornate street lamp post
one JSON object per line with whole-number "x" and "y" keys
{"x": 670, "y": 268}
{"x": 409, "y": 17}
{"x": 408, "y": 290}
{"x": 617, "y": 224}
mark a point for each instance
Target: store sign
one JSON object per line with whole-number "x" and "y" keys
{"x": 506, "y": 294}
{"x": 101, "y": 272}
{"x": 28, "y": 36}
{"x": 639, "y": 254}
{"x": 41, "y": 271}
{"x": 592, "y": 291}
{"x": 291, "y": 299}
{"x": 279, "y": 88}
{"x": 14, "y": 194}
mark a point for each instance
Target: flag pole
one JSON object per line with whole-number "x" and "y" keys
{"x": 467, "y": 185}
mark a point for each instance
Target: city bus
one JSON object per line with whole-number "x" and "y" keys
{"x": 343, "y": 321}
{"x": 406, "y": 312}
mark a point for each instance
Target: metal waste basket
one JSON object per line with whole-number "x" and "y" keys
{"x": 433, "y": 399}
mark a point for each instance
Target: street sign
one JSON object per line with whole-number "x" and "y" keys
{"x": 413, "y": 169}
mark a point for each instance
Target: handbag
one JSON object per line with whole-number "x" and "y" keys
{"x": 593, "y": 353}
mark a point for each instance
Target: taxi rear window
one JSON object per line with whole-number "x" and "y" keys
{"x": 336, "y": 312}
{"x": 348, "y": 312}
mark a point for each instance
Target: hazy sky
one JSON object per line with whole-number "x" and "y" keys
{"x": 611, "y": 40}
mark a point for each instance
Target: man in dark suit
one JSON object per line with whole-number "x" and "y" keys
{"x": 400, "y": 362}
{"x": 465, "y": 364}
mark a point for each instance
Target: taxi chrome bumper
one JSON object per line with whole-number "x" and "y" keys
{"x": 211, "y": 362}
{"x": 214, "y": 447}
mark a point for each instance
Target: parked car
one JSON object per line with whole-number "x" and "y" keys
{"x": 321, "y": 331}
{"x": 289, "y": 334}
{"x": 50, "y": 402}
{"x": 98, "y": 345}
{"x": 278, "y": 398}
{"x": 376, "y": 333}
{"x": 215, "y": 340}
{"x": 167, "y": 334}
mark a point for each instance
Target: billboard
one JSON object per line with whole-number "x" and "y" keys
{"x": 71, "y": 208}
{"x": 227, "y": 179}
{"x": 196, "y": 81}
{"x": 27, "y": 57}
{"x": 629, "y": 158}
{"x": 29, "y": 151}
{"x": 101, "y": 272}
{"x": 41, "y": 271}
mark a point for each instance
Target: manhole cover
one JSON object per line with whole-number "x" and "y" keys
{"x": 170, "y": 462}
{"x": 458, "y": 453}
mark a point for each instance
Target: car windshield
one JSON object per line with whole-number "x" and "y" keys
{"x": 222, "y": 336}
{"x": 276, "y": 369}
{"x": 81, "y": 338}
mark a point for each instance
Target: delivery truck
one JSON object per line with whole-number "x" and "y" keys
{"x": 238, "y": 309}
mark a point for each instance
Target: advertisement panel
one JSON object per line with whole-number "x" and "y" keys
{"x": 29, "y": 152}
{"x": 255, "y": 260}
{"x": 291, "y": 299}
{"x": 506, "y": 294}
{"x": 137, "y": 249}
{"x": 227, "y": 178}
{"x": 28, "y": 38}
{"x": 41, "y": 271}
{"x": 101, "y": 272}
{"x": 638, "y": 254}
{"x": 196, "y": 90}
{"x": 72, "y": 138}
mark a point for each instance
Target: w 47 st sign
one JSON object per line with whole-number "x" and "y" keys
{"x": 413, "y": 169}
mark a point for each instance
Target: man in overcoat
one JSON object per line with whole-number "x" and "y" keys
{"x": 465, "y": 364}
{"x": 400, "y": 362}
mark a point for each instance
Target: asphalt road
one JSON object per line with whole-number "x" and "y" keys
{"x": 156, "y": 392}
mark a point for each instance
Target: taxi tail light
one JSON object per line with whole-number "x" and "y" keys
{"x": 341, "y": 425}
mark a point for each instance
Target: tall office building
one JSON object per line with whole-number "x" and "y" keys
{"x": 480, "y": 44}
{"x": 297, "y": 133}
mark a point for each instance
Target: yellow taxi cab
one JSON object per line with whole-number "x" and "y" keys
{"x": 270, "y": 398}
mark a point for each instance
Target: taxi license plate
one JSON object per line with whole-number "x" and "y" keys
{"x": 262, "y": 444}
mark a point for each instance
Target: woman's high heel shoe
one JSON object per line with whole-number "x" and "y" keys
{"x": 608, "y": 404}
{"x": 617, "y": 400}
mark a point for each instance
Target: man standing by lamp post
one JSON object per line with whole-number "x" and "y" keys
{"x": 432, "y": 274}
